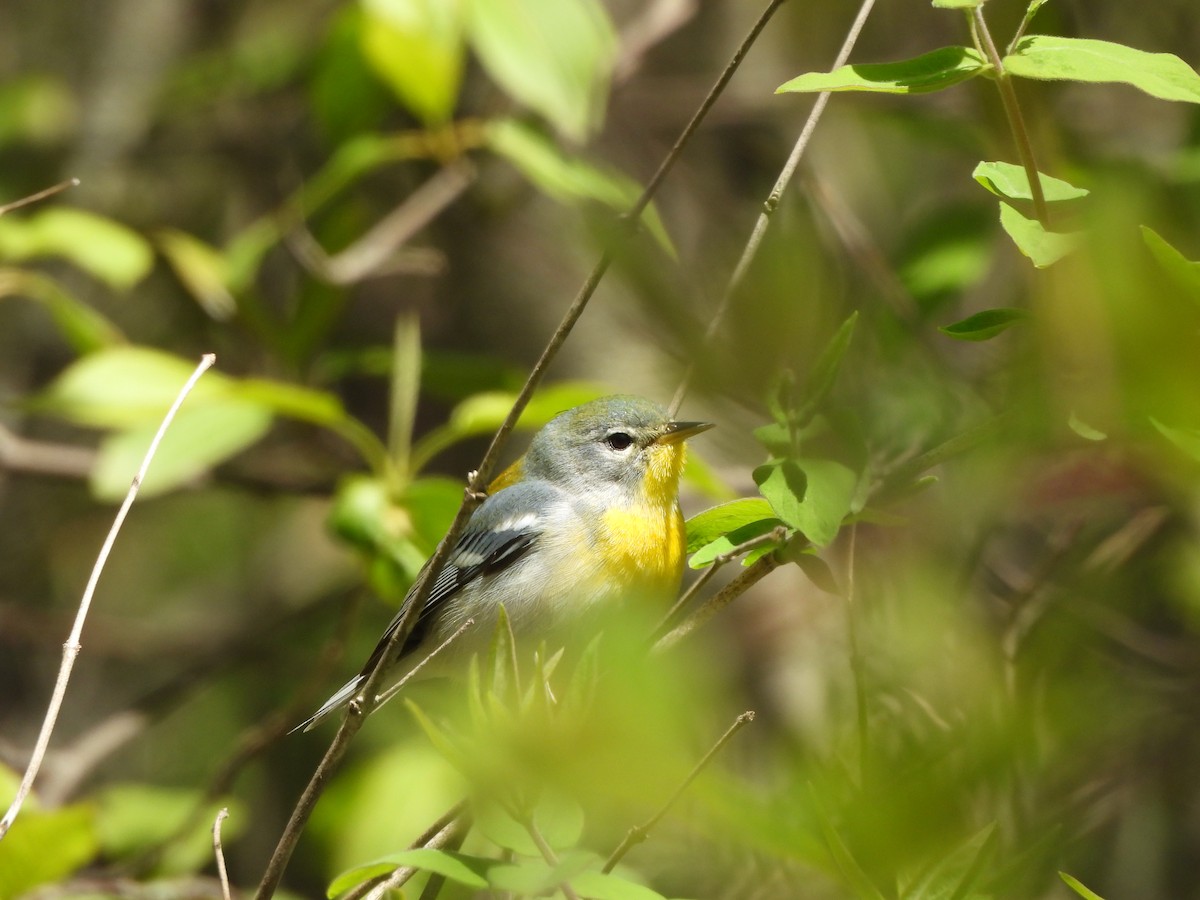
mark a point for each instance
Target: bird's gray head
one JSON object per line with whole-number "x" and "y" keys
{"x": 619, "y": 441}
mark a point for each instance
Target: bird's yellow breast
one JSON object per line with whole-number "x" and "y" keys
{"x": 644, "y": 545}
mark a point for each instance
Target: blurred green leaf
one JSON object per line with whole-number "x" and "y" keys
{"x": 503, "y": 678}
{"x": 553, "y": 56}
{"x": 81, "y": 326}
{"x": 1182, "y": 271}
{"x": 932, "y": 71}
{"x": 499, "y": 827}
{"x": 405, "y": 387}
{"x": 416, "y": 48}
{"x": 559, "y": 819}
{"x": 602, "y": 886}
{"x": 1048, "y": 58}
{"x": 570, "y": 179}
{"x": 134, "y": 818}
{"x": 1084, "y": 430}
{"x": 444, "y": 742}
{"x": 536, "y": 878}
{"x": 200, "y": 437}
{"x": 957, "y": 4}
{"x": 1008, "y": 180}
{"x": 953, "y": 875}
{"x": 817, "y": 571}
{"x": 1044, "y": 248}
{"x": 712, "y": 523}
{"x": 1078, "y": 887}
{"x": 121, "y": 387}
{"x": 824, "y": 373}
{"x": 432, "y": 504}
{"x": 1185, "y": 439}
{"x": 202, "y": 270}
{"x": 984, "y": 325}
{"x": 110, "y": 252}
{"x": 44, "y": 846}
{"x": 36, "y": 108}
{"x": 458, "y": 867}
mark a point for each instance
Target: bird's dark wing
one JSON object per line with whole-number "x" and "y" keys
{"x": 500, "y": 532}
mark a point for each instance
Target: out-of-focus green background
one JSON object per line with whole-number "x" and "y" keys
{"x": 374, "y": 215}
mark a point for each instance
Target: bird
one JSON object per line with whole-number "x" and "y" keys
{"x": 587, "y": 518}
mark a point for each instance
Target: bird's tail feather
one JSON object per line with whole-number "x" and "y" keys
{"x": 338, "y": 700}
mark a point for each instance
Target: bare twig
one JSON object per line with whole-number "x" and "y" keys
{"x": 772, "y": 201}
{"x": 71, "y": 647}
{"x": 447, "y": 831}
{"x": 219, "y": 852}
{"x": 548, "y": 854}
{"x": 40, "y": 195}
{"x": 638, "y": 833}
{"x": 396, "y": 688}
{"x": 718, "y": 601}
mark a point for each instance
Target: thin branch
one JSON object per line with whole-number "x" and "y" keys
{"x": 448, "y": 831}
{"x": 476, "y": 485}
{"x": 396, "y": 688}
{"x": 775, "y": 536}
{"x": 638, "y": 833}
{"x": 219, "y": 852}
{"x": 548, "y": 855}
{"x": 40, "y": 195}
{"x": 772, "y": 201}
{"x": 71, "y": 647}
{"x": 718, "y": 601}
{"x": 1016, "y": 122}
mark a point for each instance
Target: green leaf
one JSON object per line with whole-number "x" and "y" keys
{"x": 199, "y": 438}
{"x": 570, "y": 179}
{"x": 1048, "y": 58}
{"x": 132, "y": 818}
{"x": 553, "y": 56}
{"x": 818, "y": 571}
{"x": 125, "y": 386}
{"x": 503, "y": 830}
{"x": 405, "y": 387}
{"x": 726, "y": 543}
{"x": 202, "y": 270}
{"x": 416, "y": 48}
{"x": 1185, "y": 439}
{"x": 957, "y": 4}
{"x": 116, "y": 255}
{"x": 1044, "y": 248}
{"x": 81, "y": 326}
{"x": 1084, "y": 430}
{"x": 445, "y": 743}
{"x": 1182, "y": 271}
{"x": 46, "y": 846}
{"x": 932, "y": 71}
{"x": 462, "y": 868}
{"x": 1010, "y": 181}
{"x": 503, "y": 677}
{"x": 953, "y": 875}
{"x": 1075, "y": 885}
{"x": 715, "y": 522}
{"x": 601, "y": 886}
{"x": 559, "y": 818}
{"x": 291, "y": 400}
{"x": 811, "y": 495}
{"x": 984, "y": 325}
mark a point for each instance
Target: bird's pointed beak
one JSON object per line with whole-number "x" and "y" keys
{"x": 675, "y": 432}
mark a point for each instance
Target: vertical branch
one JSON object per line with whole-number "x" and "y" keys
{"x": 1012, "y": 110}
{"x": 72, "y": 647}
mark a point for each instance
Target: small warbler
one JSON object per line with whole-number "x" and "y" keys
{"x": 588, "y": 516}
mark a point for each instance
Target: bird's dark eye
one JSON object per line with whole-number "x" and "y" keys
{"x": 619, "y": 440}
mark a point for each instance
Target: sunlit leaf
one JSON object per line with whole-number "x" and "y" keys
{"x": 716, "y": 521}
{"x": 811, "y": 495}
{"x": 1078, "y": 887}
{"x": 1011, "y": 181}
{"x": 199, "y": 438}
{"x": 932, "y": 71}
{"x": 602, "y": 886}
{"x": 113, "y": 253}
{"x": 957, "y": 4}
{"x": 984, "y": 325}
{"x": 1049, "y": 58}
{"x": 1044, "y": 248}
{"x": 44, "y": 846}
{"x": 706, "y": 553}
{"x": 553, "y": 56}
{"x": 416, "y": 48}
{"x": 568, "y": 178}
{"x": 1084, "y": 430}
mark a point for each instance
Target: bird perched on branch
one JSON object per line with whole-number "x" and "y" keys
{"x": 587, "y": 517}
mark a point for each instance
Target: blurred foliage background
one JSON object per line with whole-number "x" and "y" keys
{"x": 374, "y": 214}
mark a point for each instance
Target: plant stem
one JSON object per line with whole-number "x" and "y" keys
{"x": 1016, "y": 122}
